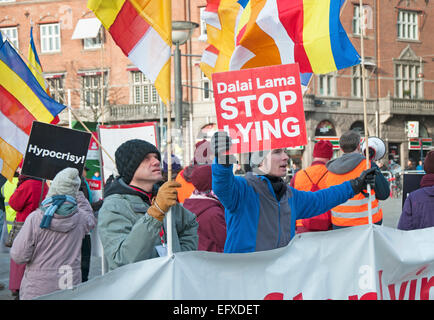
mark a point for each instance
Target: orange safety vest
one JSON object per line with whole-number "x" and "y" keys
{"x": 186, "y": 188}
{"x": 304, "y": 181}
{"x": 354, "y": 212}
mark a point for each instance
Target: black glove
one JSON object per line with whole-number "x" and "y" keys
{"x": 220, "y": 144}
{"x": 367, "y": 177}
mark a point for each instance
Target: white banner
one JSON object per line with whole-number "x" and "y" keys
{"x": 365, "y": 262}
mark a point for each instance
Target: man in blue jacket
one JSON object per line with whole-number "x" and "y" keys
{"x": 260, "y": 208}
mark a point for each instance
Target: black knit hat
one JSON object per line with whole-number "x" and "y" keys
{"x": 130, "y": 154}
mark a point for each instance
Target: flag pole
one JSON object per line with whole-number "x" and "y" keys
{"x": 94, "y": 137}
{"x": 169, "y": 176}
{"x": 365, "y": 114}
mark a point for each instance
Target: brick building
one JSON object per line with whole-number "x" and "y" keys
{"x": 77, "y": 56}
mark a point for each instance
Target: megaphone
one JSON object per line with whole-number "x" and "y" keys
{"x": 377, "y": 148}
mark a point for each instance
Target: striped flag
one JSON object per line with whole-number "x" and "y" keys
{"x": 36, "y": 68}
{"x": 227, "y": 22}
{"x": 143, "y": 31}
{"x": 305, "y": 31}
{"x": 221, "y": 17}
{"x": 22, "y": 100}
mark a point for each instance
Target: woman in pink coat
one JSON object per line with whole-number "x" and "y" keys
{"x": 49, "y": 243}
{"x": 25, "y": 199}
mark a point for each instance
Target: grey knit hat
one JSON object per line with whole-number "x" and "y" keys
{"x": 66, "y": 182}
{"x": 257, "y": 157}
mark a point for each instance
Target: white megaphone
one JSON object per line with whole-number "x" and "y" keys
{"x": 377, "y": 148}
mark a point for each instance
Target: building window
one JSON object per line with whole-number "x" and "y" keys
{"x": 206, "y": 87}
{"x": 11, "y": 34}
{"x": 50, "y": 38}
{"x": 143, "y": 91}
{"x": 91, "y": 90}
{"x": 93, "y": 43}
{"x": 203, "y": 33}
{"x": 356, "y": 20}
{"x": 326, "y": 84}
{"x": 357, "y": 84}
{"x": 407, "y": 82}
{"x": 407, "y": 25}
{"x": 57, "y": 88}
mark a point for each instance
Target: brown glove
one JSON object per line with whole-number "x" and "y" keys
{"x": 166, "y": 198}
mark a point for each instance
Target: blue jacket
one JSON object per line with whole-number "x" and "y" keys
{"x": 255, "y": 220}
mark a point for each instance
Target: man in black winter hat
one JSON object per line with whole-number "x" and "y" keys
{"x": 131, "y": 221}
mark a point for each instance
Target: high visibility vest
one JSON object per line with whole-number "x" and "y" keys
{"x": 317, "y": 174}
{"x": 7, "y": 190}
{"x": 354, "y": 212}
{"x": 186, "y": 188}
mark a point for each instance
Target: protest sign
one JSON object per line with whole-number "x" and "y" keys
{"x": 111, "y": 137}
{"x": 51, "y": 149}
{"x": 261, "y": 108}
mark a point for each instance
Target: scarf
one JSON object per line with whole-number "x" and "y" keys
{"x": 279, "y": 186}
{"x": 60, "y": 204}
{"x": 427, "y": 180}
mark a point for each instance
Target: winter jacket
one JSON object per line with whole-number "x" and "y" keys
{"x": 26, "y": 197}
{"x": 255, "y": 220}
{"x": 187, "y": 187}
{"x": 347, "y": 162}
{"x": 211, "y": 218}
{"x": 52, "y": 256}
{"x": 418, "y": 210}
{"x": 128, "y": 234}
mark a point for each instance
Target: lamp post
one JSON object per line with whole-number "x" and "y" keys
{"x": 181, "y": 33}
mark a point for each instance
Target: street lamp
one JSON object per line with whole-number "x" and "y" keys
{"x": 181, "y": 32}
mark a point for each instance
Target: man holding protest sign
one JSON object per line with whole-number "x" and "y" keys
{"x": 261, "y": 112}
{"x": 260, "y": 208}
{"x": 131, "y": 221}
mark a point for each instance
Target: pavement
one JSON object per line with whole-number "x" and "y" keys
{"x": 391, "y": 213}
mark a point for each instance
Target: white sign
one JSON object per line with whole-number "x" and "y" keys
{"x": 111, "y": 137}
{"x": 413, "y": 129}
{"x": 357, "y": 263}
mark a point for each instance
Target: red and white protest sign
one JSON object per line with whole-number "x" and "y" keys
{"x": 261, "y": 108}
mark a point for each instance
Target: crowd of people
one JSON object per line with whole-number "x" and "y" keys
{"x": 214, "y": 207}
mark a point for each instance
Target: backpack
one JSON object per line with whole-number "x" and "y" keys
{"x": 315, "y": 186}
{"x": 321, "y": 222}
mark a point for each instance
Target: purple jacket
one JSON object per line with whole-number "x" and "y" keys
{"x": 52, "y": 256}
{"x": 418, "y": 210}
{"x": 210, "y": 215}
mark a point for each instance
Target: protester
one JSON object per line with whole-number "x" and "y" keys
{"x": 3, "y": 226}
{"x": 176, "y": 167}
{"x": 410, "y": 165}
{"x": 260, "y": 208}
{"x": 86, "y": 246}
{"x": 131, "y": 218}
{"x": 8, "y": 189}
{"x": 49, "y": 243}
{"x": 26, "y": 198}
{"x": 350, "y": 165}
{"x": 313, "y": 178}
{"x": 208, "y": 209}
{"x": 418, "y": 210}
{"x": 201, "y": 156}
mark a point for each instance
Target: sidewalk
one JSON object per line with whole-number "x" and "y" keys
{"x": 391, "y": 213}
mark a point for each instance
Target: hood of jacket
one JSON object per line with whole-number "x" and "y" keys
{"x": 61, "y": 223}
{"x": 199, "y": 204}
{"x": 118, "y": 186}
{"x": 344, "y": 164}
